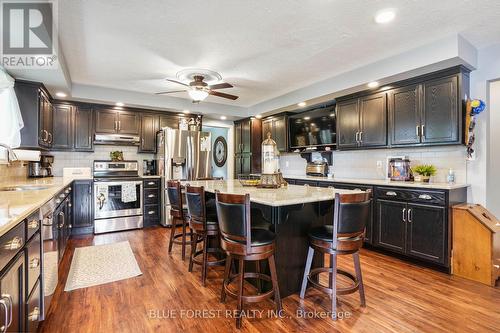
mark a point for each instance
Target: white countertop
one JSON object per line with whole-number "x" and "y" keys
{"x": 381, "y": 182}
{"x": 291, "y": 195}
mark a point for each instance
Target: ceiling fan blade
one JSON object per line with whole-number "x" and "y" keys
{"x": 179, "y": 82}
{"x": 169, "y": 92}
{"x": 223, "y": 85}
{"x": 219, "y": 94}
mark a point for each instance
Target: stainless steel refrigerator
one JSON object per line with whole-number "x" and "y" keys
{"x": 184, "y": 155}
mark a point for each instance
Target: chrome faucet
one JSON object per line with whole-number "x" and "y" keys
{"x": 11, "y": 156}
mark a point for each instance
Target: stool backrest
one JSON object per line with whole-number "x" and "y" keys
{"x": 174, "y": 195}
{"x": 233, "y": 212}
{"x": 195, "y": 199}
{"x": 351, "y": 214}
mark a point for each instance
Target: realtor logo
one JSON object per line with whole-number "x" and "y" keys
{"x": 28, "y": 34}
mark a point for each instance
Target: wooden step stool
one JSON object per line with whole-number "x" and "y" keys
{"x": 476, "y": 244}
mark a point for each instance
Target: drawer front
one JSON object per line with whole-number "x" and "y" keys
{"x": 151, "y": 196}
{"x": 33, "y": 314}
{"x": 152, "y": 183}
{"x": 343, "y": 186}
{"x": 11, "y": 243}
{"x": 305, "y": 182}
{"x": 151, "y": 212}
{"x": 423, "y": 196}
{"x": 32, "y": 224}
{"x": 33, "y": 262}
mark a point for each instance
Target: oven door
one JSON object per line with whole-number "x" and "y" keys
{"x": 117, "y": 198}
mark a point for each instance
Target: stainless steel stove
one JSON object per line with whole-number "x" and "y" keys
{"x": 117, "y": 196}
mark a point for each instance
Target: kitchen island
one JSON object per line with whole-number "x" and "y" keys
{"x": 290, "y": 212}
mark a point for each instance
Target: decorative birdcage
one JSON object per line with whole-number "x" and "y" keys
{"x": 271, "y": 176}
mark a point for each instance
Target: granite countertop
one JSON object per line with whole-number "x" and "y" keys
{"x": 381, "y": 182}
{"x": 15, "y": 206}
{"x": 291, "y": 195}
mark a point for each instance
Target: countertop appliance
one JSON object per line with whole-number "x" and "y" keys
{"x": 42, "y": 168}
{"x": 399, "y": 169}
{"x": 317, "y": 169}
{"x": 149, "y": 168}
{"x": 117, "y": 196}
{"x": 181, "y": 155}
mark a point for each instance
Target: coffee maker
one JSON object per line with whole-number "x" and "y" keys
{"x": 42, "y": 168}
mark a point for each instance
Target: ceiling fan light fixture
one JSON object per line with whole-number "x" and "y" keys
{"x": 197, "y": 95}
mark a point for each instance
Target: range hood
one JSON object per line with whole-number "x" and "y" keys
{"x": 121, "y": 139}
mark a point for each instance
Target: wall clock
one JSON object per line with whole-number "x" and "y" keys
{"x": 220, "y": 151}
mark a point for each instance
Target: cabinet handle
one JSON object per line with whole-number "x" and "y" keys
{"x": 151, "y": 212}
{"x": 361, "y": 137}
{"x": 34, "y": 263}
{"x": 10, "y": 308}
{"x": 46, "y": 136}
{"x": 35, "y": 314}
{"x": 151, "y": 196}
{"x": 417, "y": 130}
{"x": 423, "y": 132}
{"x": 33, "y": 224}
{"x": 391, "y": 193}
{"x": 61, "y": 214}
{"x": 3, "y": 328}
{"x": 410, "y": 215}
{"x": 357, "y": 140}
{"x": 425, "y": 197}
{"x": 14, "y": 244}
{"x": 119, "y": 125}
{"x": 404, "y": 214}
{"x": 88, "y": 140}
{"x": 151, "y": 183}
{"x": 58, "y": 201}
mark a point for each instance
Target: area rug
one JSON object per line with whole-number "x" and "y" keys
{"x": 100, "y": 264}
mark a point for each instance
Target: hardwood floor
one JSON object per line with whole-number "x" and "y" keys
{"x": 401, "y": 297}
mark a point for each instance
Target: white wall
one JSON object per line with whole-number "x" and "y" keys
{"x": 493, "y": 185}
{"x": 230, "y": 141}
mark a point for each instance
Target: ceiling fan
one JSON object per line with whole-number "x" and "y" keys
{"x": 198, "y": 89}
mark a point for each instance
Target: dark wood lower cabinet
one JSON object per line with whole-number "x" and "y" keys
{"x": 83, "y": 219}
{"x": 12, "y": 296}
{"x": 391, "y": 228}
{"x": 152, "y": 201}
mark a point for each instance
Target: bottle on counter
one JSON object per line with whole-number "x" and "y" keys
{"x": 451, "y": 176}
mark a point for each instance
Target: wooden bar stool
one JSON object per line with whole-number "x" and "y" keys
{"x": 243, "y": 243}
{"x": 179, "y": 216}
{"x": 203, "y": 224}
{"x": 344, "y": 237}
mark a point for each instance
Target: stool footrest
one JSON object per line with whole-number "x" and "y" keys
{"x": 340, "y": 291}
{"x": 249, "y": 298}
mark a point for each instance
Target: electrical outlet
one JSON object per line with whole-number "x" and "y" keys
{"x": 287, "y": 164}
{"x": 379, "y": 164}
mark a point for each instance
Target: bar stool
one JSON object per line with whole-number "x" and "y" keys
{"x": 344, "y": 237}
{"x": 179, "y": 216}
{"x": 243, "y": 243}
{"x": 203, "y": 224}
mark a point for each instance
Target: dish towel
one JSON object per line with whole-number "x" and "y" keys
{"x": 128, "y": 193}
{"x": 12, "y": 121}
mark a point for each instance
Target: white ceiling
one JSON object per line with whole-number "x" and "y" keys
{"x": 264, "y": 48}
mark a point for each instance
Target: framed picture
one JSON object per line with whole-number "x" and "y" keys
{"x": 220, "y": 151}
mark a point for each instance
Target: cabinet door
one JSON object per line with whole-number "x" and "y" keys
{"x": 246, "y": 136}
{"x": 82, "y": 204}
{"x": 348, "y": 123}
{"x": 373, "y": 120}
{"x": 149, "y": 127}
{"x": 169, "y": 121}
{"x": 128, "y": 123}
{"x": 237, "y": 166}
{"x": 440, "y": 111}
{"x": 391, "y": 225}
{"x": 63, "y": 127}
{"x": 48, "y": 122}
{"x": 246, "y": 164}
{"x": 106, "y": 121}
{"x": 12, "y": 295}
{"x": 84, "y": 128}
{"x": 267, "y": 127}
{"x": 237, "y": 137}
{"x": 44, "y": 118}
{"x": 280, "y": 133}
{"x": 404, "y": 110}
{"x": 427, "y": 235}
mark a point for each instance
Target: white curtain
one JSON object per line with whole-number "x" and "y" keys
{"x": 11, "y": 121}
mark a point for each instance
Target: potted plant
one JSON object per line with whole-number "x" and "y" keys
{"x": 424, "y": 172}
{"x": 116, "y": 156}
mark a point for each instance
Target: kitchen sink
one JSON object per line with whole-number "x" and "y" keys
{"x": 23, "y": 188}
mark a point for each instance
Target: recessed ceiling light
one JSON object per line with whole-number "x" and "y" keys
{"x": 61, "y": 94}
{"x": 185, "y": 111}
{"x": 385, "y": 16}
{"x": 223, "y": 117}
{"x": 119, "y": 104}
{"x": 258, "y": 116}
{"x": 373, "y": 84}
{"x": 302, "y": 104}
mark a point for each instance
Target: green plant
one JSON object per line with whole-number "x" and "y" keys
{"x": 116, "y": 155}
{"x": 425, "y": 170}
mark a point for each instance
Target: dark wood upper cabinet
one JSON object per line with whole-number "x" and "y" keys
{"x": 347, "y": 123}
{"x": 373, "y": 120}
{"x": 405, "y": 110}
{"x": 83, "y": 128}
{"x": 440, "y": 116}
{"x": 149, "y": 127}
{"x": 63, "y": 126}
{"x": 277, "y": 126}
{"x": 46, "y": 118}
{"x": 246, "y": 136}
{"x": 128, "y": 122}
{"x": 106, "y": 121}
{"x": 169, "y": 121}
{"x": 248, "y": 140}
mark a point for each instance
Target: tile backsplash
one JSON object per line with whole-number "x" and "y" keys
{"x": 101, "y": 152}
{"x": 17, "y": 170}
{"x": 363, "y": 164}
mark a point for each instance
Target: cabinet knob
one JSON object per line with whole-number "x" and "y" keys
{"x": 151, "y": 183}
{"x": 391, "y": 193}
{"x": 151, "y": 212}
{"x": 58, "y": 201}
{"x": 151, "y": 196}
{"x": 35, "y": 314}
{"x": 14, "y": 244}
{"x": 425, "y": 197}
{"x": 33, "y": 224}
{"x": 34, "y": 263}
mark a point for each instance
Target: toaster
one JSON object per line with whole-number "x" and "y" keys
{"x": 317, "y": 169}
